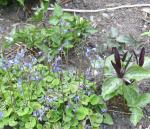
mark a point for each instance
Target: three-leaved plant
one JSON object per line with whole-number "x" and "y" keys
{"x": 123, "y": 81}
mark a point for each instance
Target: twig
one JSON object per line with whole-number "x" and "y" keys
{"x": 100, "y": 10}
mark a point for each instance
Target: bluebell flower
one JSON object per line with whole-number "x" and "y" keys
{"x": 76, "y": 98}
{"x": 28, "y": 65}
{"x": 21, "y": 54}
{"x": 68, "y": 106}
{"x": 1, "y": 114}
{"x": 57, "y": 64}
{"x": 19, "y": 82}
{"x": 88, "y": 52}
{"x": 10, "y": 63}
{"x": 34, "y": 60}
{"x": 4, "y": 65}
{"x": 39, "y": 114}
{"x": 103, "y": 110}
{"x": 49, "y": 99}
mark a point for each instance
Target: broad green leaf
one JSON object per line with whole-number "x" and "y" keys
{"x": 58, "y": 11}
{"x": 54, "y": 21}
{"x": 2, "y": 125}
{"x": 53, "y": 116}
{"x": 146, "y": 64}
{"x": 12, "y": 123}
{"x": 107, "y": 119}
{"x": 31, "y": 123}
{"x": 36, "y": 105}
{"x": 81, "y": 113}
{"x": 143, "y": 100}
{"x": 108, "y": 68}
{"x": 138, "y": 73}
{"x": 84, "y": 99}
{"x": 8, "y": 112}
{"x": 68, "y": 17}
{"x": 68, "y": 115}
{"x": 55, "y": 82}
{"x": 95, "y": 99}
{"x": 96, "y": 119}
{"x": 110, "y": 86}
{"x": 130, "y": 95}
{"x": 22, "y": 112}
{"x": 136, "y": 115}
{"x": 21, "y": 2}
{"x": 126, "y": 39}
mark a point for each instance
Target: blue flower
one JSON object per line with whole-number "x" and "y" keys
{"x": 103, "y": 110}
{"x": 19, "y": 82}
{"x": 57, "y": 64}
{"x": 21, "y": 54}
{"x": 28, "y": 65}
{"x": 1, "y": 115}
{"x": 76, "y": 98}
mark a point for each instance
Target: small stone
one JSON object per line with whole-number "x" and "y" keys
{"x": 146, "y": 10}
{"x": 105, "y": 15}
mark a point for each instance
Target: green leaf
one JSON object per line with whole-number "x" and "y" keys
{"x": 55, "y": 82}
{"x": 81, "y": 113}
{"x": 138, "y": 73}
{"x": 108, "y": 68}
{"x": 8, "y": 112}
{"x": 130, "y": 94}
{"x": 95, "y": 99}
{"x": 146, "y": 33}
{"x": 54, "y": 20}
{"x": 146, "y": 64}
{"x": 84, "y": 99}
{"x": 58, "y": 11}
{"x": 136, "y": 115}
{"x": 53, "y": 116}
{"x": 126, "y": 39}
{"x": 96, "y": 119}
{"x": 21, "y": 2}
{"x": 68, "y": 115}
{"x": 107, "y": 119}
{"x": 143, "y": 100}
{"x": 22, "y": 112}
{"x": 31, "y": 123}
{"x": 12, "y": 123}
{"x": 36, "y": 105}
{"x": 110, "y": 86}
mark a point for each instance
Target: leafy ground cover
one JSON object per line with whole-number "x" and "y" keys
{"x": 38, "y": 92}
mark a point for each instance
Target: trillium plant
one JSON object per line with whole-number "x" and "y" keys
{"x": 123, "y": 80}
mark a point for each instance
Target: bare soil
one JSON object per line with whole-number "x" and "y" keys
{"x": 131, "y": 20}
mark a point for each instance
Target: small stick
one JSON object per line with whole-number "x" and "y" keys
{"x": 100, "y": 10}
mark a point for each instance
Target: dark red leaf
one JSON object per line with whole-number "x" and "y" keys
{"x": 117, "y": 69}
{"x": 141, "y": 58}
{"x": 117, "y": 58}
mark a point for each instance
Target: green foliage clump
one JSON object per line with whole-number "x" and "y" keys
{"x": 125, "y": 81}
{"x": 65, "y": 32}
{"x": 33, "y": 96}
